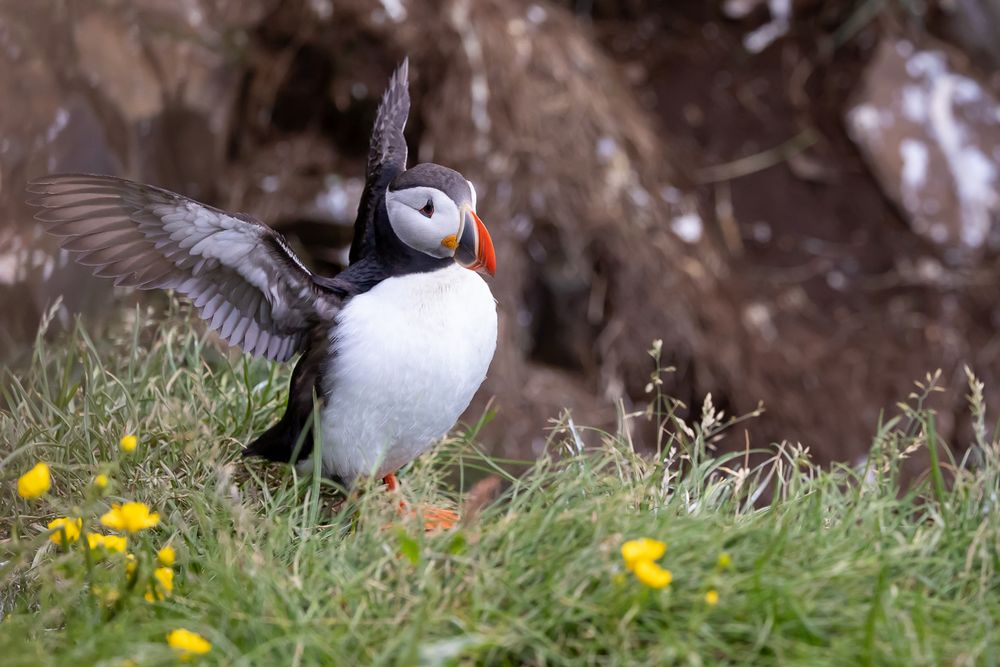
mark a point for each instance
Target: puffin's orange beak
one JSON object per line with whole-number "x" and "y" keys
{"x": 475, "y": 247}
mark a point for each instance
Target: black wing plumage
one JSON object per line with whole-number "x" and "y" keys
{"x": 386, "y": 157}
{"x": 240, "y": 274}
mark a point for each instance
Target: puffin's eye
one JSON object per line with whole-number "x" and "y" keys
{"x": 428, "y": 209}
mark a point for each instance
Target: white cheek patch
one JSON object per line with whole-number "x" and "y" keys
{"x": 417, "y": 230}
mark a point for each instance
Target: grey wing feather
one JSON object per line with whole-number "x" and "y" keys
{"x": 386, "y": 157}
{"x": 238, "y": 272}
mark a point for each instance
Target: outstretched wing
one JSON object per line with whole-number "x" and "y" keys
{"x": 386, "y": 157}
{"x": 240, "y": 274}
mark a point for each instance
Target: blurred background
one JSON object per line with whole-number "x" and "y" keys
{"x": 799, "y": 197}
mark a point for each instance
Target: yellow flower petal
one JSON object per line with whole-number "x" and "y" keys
{"x": 725, "y": 560}
{"x": 652, "y": 574}
{"x": 107, "y": 596}
{"x": 642, "y": 549}
{"x": 101, "y": 481}
{"x": 188, "y": 643}
{"x": 128, "y": 443}
{"x": 162, "y": 585}
{"x": 109, "y": 542}
{"x": 165, "y": 578}
{"x": 712, "y": 598}
{"x": 130, "y": 517}
{"x": 166, "y": 556}
{"x": 70, "y": 528}
{"x": 35, "y": 483}
{"x": 115, "y": 543}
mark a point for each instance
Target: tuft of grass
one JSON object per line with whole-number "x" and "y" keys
{"x": 840, "y": 566}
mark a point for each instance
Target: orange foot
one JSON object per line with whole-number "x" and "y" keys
{"x": 434, "y": 518}
{"x": 390, "y": 481}
{"x": 438, "y": 518}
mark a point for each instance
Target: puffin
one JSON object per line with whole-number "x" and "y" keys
{"x": 393, "y": 347}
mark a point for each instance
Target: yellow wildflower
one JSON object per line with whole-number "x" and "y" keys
{"x": 712, "y": 598}
{"x": 166, "y": 556}
{"x": 130, "y": 564}
{"x": 643, "y": 549}
{"x": 107, "y": 596}
{"x": 128, "y": 443}
{"x": 109, "y": 542}
{"x": 69, "y": 527}
{"x": 165, "y": 578}
{"x": 101, "y": 481}
{"x": 188, "y": 643}
{"x": 130, "y": 517}
{"x": 652, "y": 574}
{"x": 116, "y": 543}
{"x": 35, "y": 483}
{"x": 163, "y": 584}
{"x": 725, "y": 560}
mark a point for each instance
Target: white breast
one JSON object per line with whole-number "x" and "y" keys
{"x": 408, "y": 357}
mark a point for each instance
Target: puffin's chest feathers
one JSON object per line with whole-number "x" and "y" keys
{"x": 408, "y": 356}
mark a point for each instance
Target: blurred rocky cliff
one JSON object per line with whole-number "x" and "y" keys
{"x": 800, "y": 198}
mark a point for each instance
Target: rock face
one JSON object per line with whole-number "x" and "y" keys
{"x": 145, "y": 93}
{"x": 674, "y": 171}
{"x": 931, "y": 133}
{"x": 973, "y": 26}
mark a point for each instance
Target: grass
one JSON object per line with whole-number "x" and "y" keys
{"x": 841, "y": 567}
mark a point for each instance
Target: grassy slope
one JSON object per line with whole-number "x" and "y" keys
{"x": 835, "y": 571}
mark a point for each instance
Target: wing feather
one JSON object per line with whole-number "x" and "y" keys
{"x": 240, "y": 274}
{"x": 386, "y": 157}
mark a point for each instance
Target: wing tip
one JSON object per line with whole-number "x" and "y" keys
{"x": 398, "y": 90}
{"x": 42, "y": 187}
{"x": 54, "y": 179}
{"x": 402, "y": 73}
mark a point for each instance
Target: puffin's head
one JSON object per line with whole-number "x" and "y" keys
{"x": 432, "y": 209}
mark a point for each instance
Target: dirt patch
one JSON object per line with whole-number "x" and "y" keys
{"x": 844, "y": 306}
